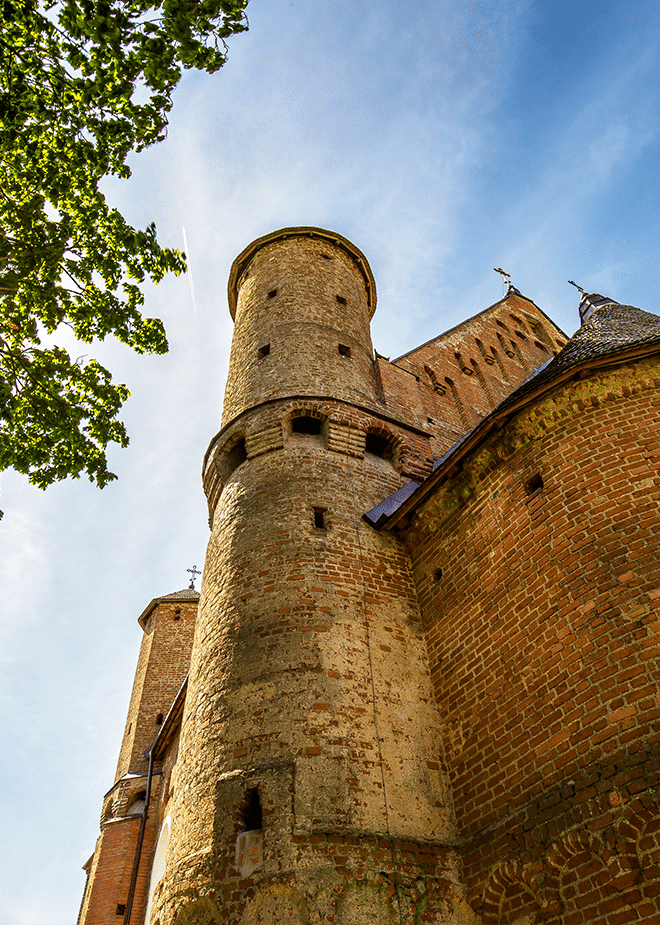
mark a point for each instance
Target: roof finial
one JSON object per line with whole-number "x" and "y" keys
{"x": 506, "y": 277}
{"x": 579, "y": 288}
{"x": 193, "y": 574}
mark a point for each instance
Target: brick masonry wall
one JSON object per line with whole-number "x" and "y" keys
{"x": 162, "y": 667}
{"x": 338, "y": 879}
{"x": 309, "y": 679}
{"x": 450, "y": 383}
{"x": 295, "y": 622}
{"x": 288, "y": 301}
{"x": 543, "y": 634}
{"x": 110, "y": 872}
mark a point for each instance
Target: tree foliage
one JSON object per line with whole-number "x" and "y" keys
{"x": 83, "y": 83}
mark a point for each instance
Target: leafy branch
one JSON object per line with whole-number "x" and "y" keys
{"x": 83, "y": 83}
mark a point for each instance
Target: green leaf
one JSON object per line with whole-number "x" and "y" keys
{"x": 82, "y": 85}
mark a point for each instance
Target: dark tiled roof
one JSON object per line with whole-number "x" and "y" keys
{"x": 390, "y": 504}
{"x": 187, "y": 594}
{"x": 611, "y": 329}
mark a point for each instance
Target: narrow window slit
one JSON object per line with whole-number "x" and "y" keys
{"x": 252, "y": 816}
{"x": 264, "y": 351}
{"x": 437, "y": 574}
{"x": 319, "y": 517}
{"x": 341, "y": 299}
{"x": 159, "y": 719}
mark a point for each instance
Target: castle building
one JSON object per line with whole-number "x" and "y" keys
{"x": 420, "y": 683}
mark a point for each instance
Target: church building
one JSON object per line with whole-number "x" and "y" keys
{"x": 420, "y": 682}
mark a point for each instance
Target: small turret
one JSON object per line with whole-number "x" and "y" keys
{"x": 302, "y": 299}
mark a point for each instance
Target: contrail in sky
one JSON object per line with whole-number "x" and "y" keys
{"x": 190, "y": 276}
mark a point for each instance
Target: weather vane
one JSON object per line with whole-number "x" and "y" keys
{"x": 193, "y": 574}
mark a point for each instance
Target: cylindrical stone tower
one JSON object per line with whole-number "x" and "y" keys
{"x": 309, "y": 785}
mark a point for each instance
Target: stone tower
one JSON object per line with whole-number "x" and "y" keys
{"x": 113, "y": 880}
{"x": 310, "y": 733}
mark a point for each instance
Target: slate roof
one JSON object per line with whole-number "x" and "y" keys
{"x": 187, "y": 594}
{"x": 610, "y": 329}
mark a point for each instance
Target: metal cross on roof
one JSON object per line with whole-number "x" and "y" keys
{"x": 506, "y": 276}
{"x": 193, "y": 574}
{"x": 579, "y": 288}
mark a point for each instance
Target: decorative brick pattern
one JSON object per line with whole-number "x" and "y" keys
{"x": 454, "y": 719}
{"x": 343, "y": 439}
{"x": 264, "y": 441}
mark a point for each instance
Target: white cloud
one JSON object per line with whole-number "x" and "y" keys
{"x": 391, "y": 123}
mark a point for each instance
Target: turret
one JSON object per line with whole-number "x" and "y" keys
{"x": 309, "y": 718}
{"x": 302, "y": 299}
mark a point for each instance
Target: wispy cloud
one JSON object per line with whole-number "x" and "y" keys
{"x": 436, "y": 138}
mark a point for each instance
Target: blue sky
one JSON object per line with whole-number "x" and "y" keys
{"x": 444, "y": 139}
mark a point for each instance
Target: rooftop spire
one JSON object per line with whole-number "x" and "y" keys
{"x": 589, "y": 302}
{"x": 507, "y": 279}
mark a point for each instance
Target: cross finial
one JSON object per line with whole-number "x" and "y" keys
{"x": 505, "y": 276}
{"x": 193, "y": 574}
{"x": 579, "y": 288}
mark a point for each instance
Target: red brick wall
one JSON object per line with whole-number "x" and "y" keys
{"x": 543, "y": 631}
{"x": 162, "y": 666}
{"x": 450, "y": 383}
{"x": 110, "y": 874}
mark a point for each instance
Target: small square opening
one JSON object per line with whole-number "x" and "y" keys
{"x": 534, "y": 484}
{"x": 237, "y": 455}
{"x": 121, "y": 909}
{"x": 378, "y": 445}
{"x": 272, "y": 293}
{"x": 264, "y": 351}
{"x": 341, "y": 299}
{"x": 344, "y": 350}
